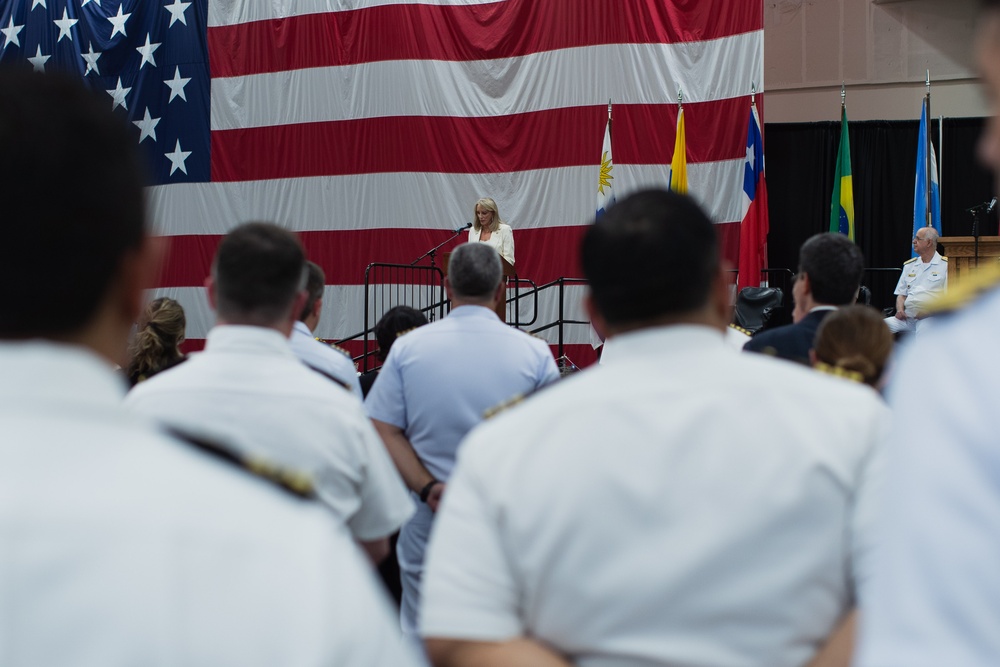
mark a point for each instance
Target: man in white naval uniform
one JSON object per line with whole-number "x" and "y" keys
{"x": 121, "y": 545}
{"x": 644, "y": 512}
{"x": 924, "y": 278}
{"x": 934, "y": 594}
{"x": 315, "y": 354}
{"x": 437, "y": 382}
{"x": 248, "y": 390}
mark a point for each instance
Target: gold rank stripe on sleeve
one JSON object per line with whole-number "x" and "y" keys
{"x": 837, "y": 371}
{"x": 740, "y": 329}
{"x": 983, "y": 280}
{"x": 293, "y": 482}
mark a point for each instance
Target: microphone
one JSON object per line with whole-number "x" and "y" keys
{"x": 993, "y": 203}
{"x": 469, "y": 224}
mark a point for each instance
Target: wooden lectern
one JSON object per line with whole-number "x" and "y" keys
{"x": 508, "y": 272}
{"x": 961, "y": 254}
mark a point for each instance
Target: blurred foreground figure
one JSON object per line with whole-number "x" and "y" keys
{"x": 122, "y": 546}
{"x": 934, "y": 598}
{"x": 665, "y": 508}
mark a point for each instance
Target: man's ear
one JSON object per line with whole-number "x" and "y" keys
{"x": 210, "y": 288}
{"x": 596, "y": 319}
{"x": 447, "y": 287}
{"x": 720, "y": 306}
{"x": 500, "y": 296}
{"x": 297, "y": 305}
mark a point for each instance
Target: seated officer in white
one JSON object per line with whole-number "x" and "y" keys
{"x": 123, "y": 546}
{"x": 924, "y": 278}
{"x": 317, "y": 355}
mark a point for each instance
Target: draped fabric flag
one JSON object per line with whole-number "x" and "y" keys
{"x": 605, "y": 186}
{"x": 678, "y": 163}
{"x": 371, "y": 127}
{"x": 925, "y": 151}
{"x": 842, "y": 203}
{"x": 755, "y": 225}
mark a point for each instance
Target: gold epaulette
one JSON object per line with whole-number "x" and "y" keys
{"x": 737, "y": 327}
{"x": 335, "y": 347}
{"x": 505, "y": 405}
{"x": 983, "y": 280}
{"x": 405, "y": 331}
{"x": 298, "y": 484}
{"x": 944, "y": 258}
{"x": 911, "y": 260}
{"x": 837, "y": 371}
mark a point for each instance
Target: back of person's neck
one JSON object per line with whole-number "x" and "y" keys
{"x": 284, "y": 327}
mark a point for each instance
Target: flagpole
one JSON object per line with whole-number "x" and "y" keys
{"x": 928, "y": 220}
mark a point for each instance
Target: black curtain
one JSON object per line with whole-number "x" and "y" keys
{"x": 801, "y": 158}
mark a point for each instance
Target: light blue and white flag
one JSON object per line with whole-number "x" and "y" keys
{"x": 920, "y": 186}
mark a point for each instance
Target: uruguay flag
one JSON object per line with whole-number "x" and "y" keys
{"x": 920, "y": 187}
{"x": 754, "y": 225}
{"x": 605, "y": 188}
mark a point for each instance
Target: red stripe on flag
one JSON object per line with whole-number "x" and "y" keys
{"x": 489, "y": 31}
{"x": 502, "y": 144}
{"x": 542, "y": 254}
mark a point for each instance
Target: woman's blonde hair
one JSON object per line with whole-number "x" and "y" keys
{"x": 854, "y": 339}
{"x": 157, "y": 339}
{"x": 490, "y": 205}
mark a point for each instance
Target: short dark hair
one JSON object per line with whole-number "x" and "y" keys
{"x": 395, "y": 321}
{"x": 652, "y": 254}
{"x": 834, "y": 265}
{"x": 474, "y": 271}
{"x": 315, "y": 282}
{"x": 259, "y": 269}
{"x": 71, "y": 182}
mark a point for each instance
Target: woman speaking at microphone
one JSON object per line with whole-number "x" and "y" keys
{"x": 487, "y": 227}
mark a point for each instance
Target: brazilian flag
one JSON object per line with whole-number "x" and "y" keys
{"x": 842, "y": 206}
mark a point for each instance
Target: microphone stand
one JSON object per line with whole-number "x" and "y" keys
{"x": 432, "y": 253}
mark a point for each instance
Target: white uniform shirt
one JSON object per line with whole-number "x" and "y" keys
{"x": 670, "y": 507}
{"x": 123, "y": 547}
{"x": 323, "y": 358}
{"x": 248, "y": 390}
{"x": 934, "y": 595}
{"x": 921, "y": 283}
{"x": 501, "y": 240}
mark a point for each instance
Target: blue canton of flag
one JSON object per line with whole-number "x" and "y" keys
{"x": 149, "y": 56}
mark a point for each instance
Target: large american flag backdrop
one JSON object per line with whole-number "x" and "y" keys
{"x": 372, "y": 126}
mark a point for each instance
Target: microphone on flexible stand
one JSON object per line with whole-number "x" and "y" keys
{"x": 993, "y": 203}
{"x": 469, "y": 224}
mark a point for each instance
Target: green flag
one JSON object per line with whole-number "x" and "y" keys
{"x": 842, "y": 204}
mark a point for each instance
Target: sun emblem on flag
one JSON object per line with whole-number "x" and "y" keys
{"x": 606, "y": 176}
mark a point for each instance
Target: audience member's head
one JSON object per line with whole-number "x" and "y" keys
{"x": 75, "y": 258}
{"x": 637, "y": 277}
{"x": 156, "y": 343}
{"x": 258, "y": 277}
{"x": 315, "y": 283}
{"x": 856, "y": 340}
{"x": 397, "y": 320}
{"x": 830, "y": 268}
{"x": 474, "y": 274}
